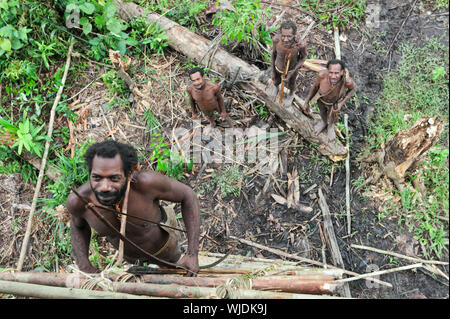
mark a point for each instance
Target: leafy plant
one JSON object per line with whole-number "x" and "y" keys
{"x": 244, "y": 25}
{"x": 166, "y": 161}
{"x": 229, "y": 180}
{"x": 27, "y": 135}
{"x": 336, "y": 13}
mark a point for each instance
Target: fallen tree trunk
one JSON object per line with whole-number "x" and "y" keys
{"x": 249, "y": 77}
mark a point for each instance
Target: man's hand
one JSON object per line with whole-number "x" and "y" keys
{"x": 194, "y": 116}
{"x": 191, "y": 263}
{"x": 307, "y": 108}
{"x": 339, "y": 106}
{"x": 223, "y": 116}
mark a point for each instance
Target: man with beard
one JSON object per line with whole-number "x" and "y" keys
{"x": 110, "y": 165}
{"x": 288, "y": 55}
{"x": 206, "y": 95}
{"x": 332, "y": 89}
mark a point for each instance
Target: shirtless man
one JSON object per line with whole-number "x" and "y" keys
{"x": 333, "y": 89}
{"x": 206, "y": 96}
{"x": 286, "y": 45}
{"x": 110, "y": 165}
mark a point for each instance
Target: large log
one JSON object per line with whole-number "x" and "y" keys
{"x": 202, "y": 51}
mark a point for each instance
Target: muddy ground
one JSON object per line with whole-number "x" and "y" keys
{"x": 254, "y": 215}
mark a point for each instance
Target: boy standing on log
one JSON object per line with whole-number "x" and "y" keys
{"x": 111, "y": 164}
{"x": 333, "y": 87}
{"x": 206, "y": 95}
{"x": 288, "y": 55}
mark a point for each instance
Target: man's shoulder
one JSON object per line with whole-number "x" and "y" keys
{"x": 322, "y": 74}
{"x": 74, "y": 204}
{"x": 145, "y": 179}
{"x": 189, "y": 88}
{"x": 212, "y": 86}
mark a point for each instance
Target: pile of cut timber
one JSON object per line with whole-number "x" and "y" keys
{"x": 236, "y": 277}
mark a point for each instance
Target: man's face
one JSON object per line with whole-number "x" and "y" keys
{"x": 335, "y": 73}
{"x": 287, "y": 36}
{"x": 197, "y": 80}
{"x": 107, "y": 178}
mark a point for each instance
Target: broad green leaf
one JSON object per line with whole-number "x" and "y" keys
{"x": 87, "y": 28}
{"x": 109, "y": 10}
{"x": 87, "y": 8}
{"x": 99, "y": 21}
{"x": 5, "y": 44}
{"x": 84, "y": 21}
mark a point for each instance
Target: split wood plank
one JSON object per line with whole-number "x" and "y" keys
{"x": 329, "y": 229}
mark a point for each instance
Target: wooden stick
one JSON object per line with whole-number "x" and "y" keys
{"x": 26, "y": 239}
{"x": 328, "y": 225}
{"x": 399, "y": 255}
{"x": 347, "y": 177}
{"x": 302, "y": 259}
{"x": 337, "y": 46}
{"x": 123, "y": 220}
{"x": 378, "y": 273}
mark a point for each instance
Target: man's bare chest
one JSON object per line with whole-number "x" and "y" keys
{"x": 205, "y": 96}
{"x": 141, "y": 216}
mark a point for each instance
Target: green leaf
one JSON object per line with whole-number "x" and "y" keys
{"x": 87, "y": 8}
{"x": 5, "y": 44}
{"x": 87, "y": 28}
{"x": 83, "y": 21}
{"x": 115, "y": 26}
{"x": 109, "y": 10}
{"x": 8, "y": 126}
{"x": 100, "y": 21}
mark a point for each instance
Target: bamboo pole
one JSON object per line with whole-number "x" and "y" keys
{"x": 286, "y": 284}
{"x": 146, "y": 289}
{"x": 381, "y": 272}
{"x": 44, "y": 161}
{"x": 347, "y": 177}
{"x": 49, "y": 292}
{"x": 417, "y": 260}
{"x": 302, "y": 259}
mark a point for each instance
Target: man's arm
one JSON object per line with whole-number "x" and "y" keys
{"x": 351, "y": 88}
{"x": 192, "y": 103}
{"x": 301, "y": 53}
{"x": 80, "y": 233}
{"x": 274, "y": 57}
{"x": 314, "y": 88}
{"x": 168, "y": 189}
{"x": 219, "y": 98}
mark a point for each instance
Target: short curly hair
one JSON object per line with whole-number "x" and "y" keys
{"x": 288, "y": 24}
{"x": 195, "y": 70}
{"x": 109, "y": 149}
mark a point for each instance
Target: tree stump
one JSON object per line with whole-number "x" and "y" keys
{"x": 404, "y": 151}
